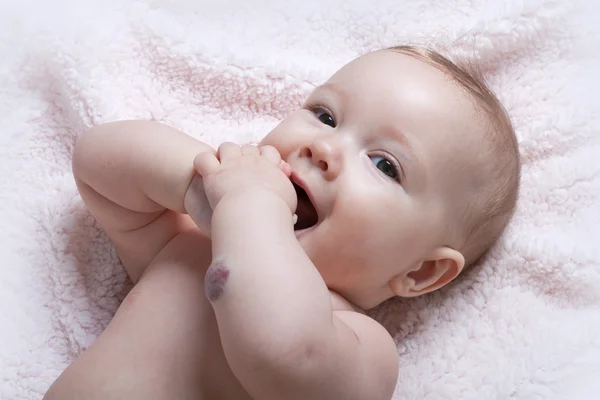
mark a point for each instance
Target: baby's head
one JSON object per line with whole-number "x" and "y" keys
{"x": 411, "y": 168}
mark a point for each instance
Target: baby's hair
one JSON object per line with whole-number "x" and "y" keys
{"x": 487, "y": 212}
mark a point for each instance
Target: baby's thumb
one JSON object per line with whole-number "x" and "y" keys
{"x": 206, "y": 163}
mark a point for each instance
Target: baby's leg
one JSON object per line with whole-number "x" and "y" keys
{"x": 163, "y": 342}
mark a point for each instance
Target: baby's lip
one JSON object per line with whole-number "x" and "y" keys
{"x": 296, "y": 179}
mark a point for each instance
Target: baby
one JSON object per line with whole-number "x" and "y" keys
{"x": 401, "y": 170}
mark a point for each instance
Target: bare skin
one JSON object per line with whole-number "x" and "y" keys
{"x": 164, "y": 341}
{"x": 277, "y": 313}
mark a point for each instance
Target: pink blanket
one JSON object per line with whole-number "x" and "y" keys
{"x": 523, "y": 325}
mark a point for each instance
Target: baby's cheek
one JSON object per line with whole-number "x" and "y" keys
{"x": 359, "y": 217}
{"x": 366, "y": 225}
{"x": 215, "y": 280}
{"x": 288, "y": 135}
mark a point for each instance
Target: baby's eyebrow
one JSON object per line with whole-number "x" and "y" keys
{"x": 336, "y": 90}
{"x": 395, "y": 133}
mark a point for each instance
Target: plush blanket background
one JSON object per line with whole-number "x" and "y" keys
{"x": 523, "y": 325}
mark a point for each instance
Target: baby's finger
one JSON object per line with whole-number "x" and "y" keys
{"x": 285, "y": 168}
{"x": 271, "y": 154}
{"x": 250, "y": 150}
{"x": 229, "y": 150}
{"x": 206, "y": 163}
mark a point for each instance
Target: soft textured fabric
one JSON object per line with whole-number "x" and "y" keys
{"x": 525, "y": 324}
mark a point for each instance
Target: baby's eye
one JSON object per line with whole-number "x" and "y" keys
{"x": 387, "y": 166}
{"x": 324, "y": 115}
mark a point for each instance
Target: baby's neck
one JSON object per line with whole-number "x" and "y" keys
{"x": 339, "y": 303}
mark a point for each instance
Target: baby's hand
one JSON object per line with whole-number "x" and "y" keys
{"x": 236, "y": 169}
{"x": 196, "y": 205}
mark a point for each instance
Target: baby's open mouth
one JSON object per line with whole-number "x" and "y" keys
{"x": 306, "y": 212}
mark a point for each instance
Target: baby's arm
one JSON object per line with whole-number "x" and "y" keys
{"x": 279, "y": 333}
{"x": 133, "y": 176}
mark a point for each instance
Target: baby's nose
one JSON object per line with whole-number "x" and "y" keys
{"x": 326, "y": 155}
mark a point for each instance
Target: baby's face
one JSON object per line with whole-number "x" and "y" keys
{"x": 371, "y": 149}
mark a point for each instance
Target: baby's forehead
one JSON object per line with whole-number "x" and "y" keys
{"x": 388, "y": 76}
{"x": 409, "y": 89}
{"x": 390, "y": 65}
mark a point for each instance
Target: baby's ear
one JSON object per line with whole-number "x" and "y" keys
{"x": 442, "y": 266}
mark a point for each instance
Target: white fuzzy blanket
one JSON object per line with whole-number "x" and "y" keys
{"x": 524, "y": 325}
